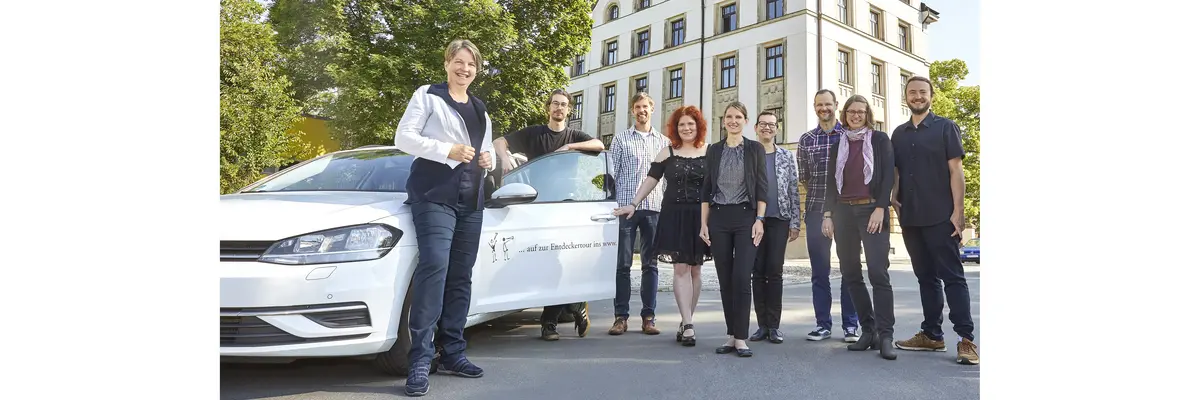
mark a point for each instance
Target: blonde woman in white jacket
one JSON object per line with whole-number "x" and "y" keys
{"x": 443, "y": 126}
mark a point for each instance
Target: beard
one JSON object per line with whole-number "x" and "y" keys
{"x": 918, "y": 110}
{"x": 558, "y": 117}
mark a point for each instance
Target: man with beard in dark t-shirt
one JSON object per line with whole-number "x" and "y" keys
{"x": 536, "y": 141}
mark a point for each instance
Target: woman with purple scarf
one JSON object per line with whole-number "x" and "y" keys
{"x": 856, "y": 217}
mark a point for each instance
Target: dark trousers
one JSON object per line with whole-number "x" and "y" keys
{"x": 767, "y": 276}
{"x": 646, "y": 222}
{"x": 819, "y": 257}
{"x": 550, "y": 314}
{"x": 935, "y": 261}
{"x": 447, "y": 243}
{"x": 733, "y": 251}
{"x": 850, "y": 234}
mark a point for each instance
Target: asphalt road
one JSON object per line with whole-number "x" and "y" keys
{"x": 637, "y": 366}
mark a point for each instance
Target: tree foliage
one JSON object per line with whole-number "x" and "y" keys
{"x": 256, "y": 108}
{"x": 358, "y": 62}
{"x": 961, "y": 105}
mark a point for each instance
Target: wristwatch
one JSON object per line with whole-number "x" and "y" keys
{"x": 760, "y": 218}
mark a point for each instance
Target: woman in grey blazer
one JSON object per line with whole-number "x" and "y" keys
{"x": 443, "y": 126}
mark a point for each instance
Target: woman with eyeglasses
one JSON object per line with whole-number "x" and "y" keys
{"x": 734, "y": 205}
{"x": 857, "y": 197}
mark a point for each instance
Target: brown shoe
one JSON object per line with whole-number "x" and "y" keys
{"x": 619, "y": 326}
{"x": 968, "y": 352}
{"x": 648, "y": 326}
{"x": 920, "y": 342}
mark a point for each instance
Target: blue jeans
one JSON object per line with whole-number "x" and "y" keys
{"x": 646, "y": 222}
{"x": 818, "y": 256}
{"x": 447, "y": 242}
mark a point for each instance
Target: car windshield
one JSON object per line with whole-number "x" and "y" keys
{"x": 375, "y": 170}
{"x": 973, "y": 242}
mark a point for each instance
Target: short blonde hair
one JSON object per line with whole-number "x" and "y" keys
{"x": 462, "y": 44}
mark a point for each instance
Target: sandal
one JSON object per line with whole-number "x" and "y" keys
{"x": 679, "y": 335}
{"x": 688, "y": 341}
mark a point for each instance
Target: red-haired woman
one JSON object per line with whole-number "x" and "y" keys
{"x": 677, "y": 239}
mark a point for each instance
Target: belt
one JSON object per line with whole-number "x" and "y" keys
{"x": 857, "y": 202}
{"x": 738, "y": 205}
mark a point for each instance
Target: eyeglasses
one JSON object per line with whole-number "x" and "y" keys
{"x": 856, "y": 112}
{"x": 767, "y": 125}
{"x": 559, "y": 104}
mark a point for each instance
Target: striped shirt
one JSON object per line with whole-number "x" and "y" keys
{"x": 631, "y": 154}
{"x": 812, "y": 155}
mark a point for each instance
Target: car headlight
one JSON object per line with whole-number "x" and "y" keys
{"x": 348, "y": 244}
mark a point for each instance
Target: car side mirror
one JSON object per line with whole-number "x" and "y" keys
{"x": 513, "y": 193}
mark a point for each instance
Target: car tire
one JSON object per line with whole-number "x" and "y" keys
{"x": 395, "y": 360}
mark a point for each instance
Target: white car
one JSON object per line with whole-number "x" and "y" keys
{"x": 316, "y": 260}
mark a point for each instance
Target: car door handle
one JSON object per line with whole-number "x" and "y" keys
{"x": 603, "y": 217}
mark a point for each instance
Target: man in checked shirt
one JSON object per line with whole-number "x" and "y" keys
{"x": 631, "y": 153}
{"x": 813, "y": 157}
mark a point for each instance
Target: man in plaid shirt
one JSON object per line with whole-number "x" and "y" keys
{"x": 813, "y": 158}
{"x": 631, "y": 153}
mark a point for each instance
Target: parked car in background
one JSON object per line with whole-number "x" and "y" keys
{"x": 970, "y": 251}
{"x": 317, "y": 259}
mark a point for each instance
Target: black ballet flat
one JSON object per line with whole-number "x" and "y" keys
{"x": 745, "y": 353}
{"x": 725, "y": 349}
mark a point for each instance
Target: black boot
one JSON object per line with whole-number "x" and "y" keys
{"x": 865, "y": 342}
{"x": 886, "y": 349}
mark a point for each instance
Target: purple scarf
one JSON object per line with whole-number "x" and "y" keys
{"x": 868, "y": 153}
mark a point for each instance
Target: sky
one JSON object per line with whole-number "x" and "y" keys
{"x": 956, "y": 35}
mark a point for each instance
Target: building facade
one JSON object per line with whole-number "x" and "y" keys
{"x": 769, "y": 54}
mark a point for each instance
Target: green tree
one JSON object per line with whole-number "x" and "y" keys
{"x": 961, "y": 105}
{"x": 358, "y": 62}
{"x": 256, "y": 108}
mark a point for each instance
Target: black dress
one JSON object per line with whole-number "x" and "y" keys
{"x": 677, "y": 239}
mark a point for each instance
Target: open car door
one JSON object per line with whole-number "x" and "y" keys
{"x": 559, "y": 248}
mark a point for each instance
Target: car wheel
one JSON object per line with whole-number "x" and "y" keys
{"x": 395, "y": 360}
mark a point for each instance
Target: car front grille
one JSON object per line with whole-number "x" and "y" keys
{"x": 241, "y": 327}
{"x": 243, "y": 250}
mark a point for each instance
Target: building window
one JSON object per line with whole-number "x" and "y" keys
{"x": 878, "y": 126}
{"x": 729, "y": 17}
{"x": 774, "y": 9}
{"x": 903, "y": 84}
{"x": 613, "y": 12}
{"x": 610, "y": 99}
{"x": 774, "y": 61}
{"x": 578, "y": 70}
{"x": 676, "y": 89}
{"x": 643, "y": 44}
{"x": 577, "y": 107}
{"x": 677, "y": 32}
{"x": 642, "y": 4}
{"x": 728, "y": 72}
{"x": 844, "y": 11}
{"x": 610, "y": 56}
{"x": 843, "y": 60}
{"x": 904, "y": 44}
{"x": 877, "y": 78}
{"x": 877, "y": 24}
{"x": 641, "y": 84}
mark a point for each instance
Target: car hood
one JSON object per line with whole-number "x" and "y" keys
{"x": 280, "y": 215}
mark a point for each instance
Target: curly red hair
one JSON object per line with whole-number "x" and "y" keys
{"x": 673, "y": 126}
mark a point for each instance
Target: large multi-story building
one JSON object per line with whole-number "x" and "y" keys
{"x": 769, "y": 54}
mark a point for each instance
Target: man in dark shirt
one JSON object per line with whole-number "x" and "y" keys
{"x": 536, "y": 141}
{"x": 928, "y": 197}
